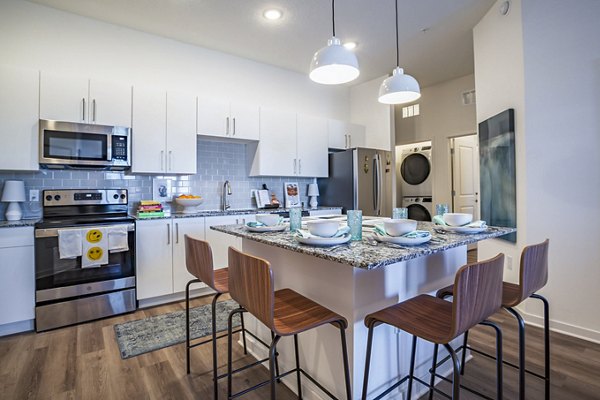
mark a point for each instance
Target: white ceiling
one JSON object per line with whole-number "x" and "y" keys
{"x": 435, "y": 35}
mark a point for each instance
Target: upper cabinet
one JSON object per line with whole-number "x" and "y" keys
{"x": 227, "y": 120}
{"x": 164, "y": 137}
{"x": 19, "y": 118}
{"x": 290, "y": 145}
{"x": 344, "y": 135}
{"x": 78, "y": 99}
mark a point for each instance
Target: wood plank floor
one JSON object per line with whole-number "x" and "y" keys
{"x": 83, "y": 362}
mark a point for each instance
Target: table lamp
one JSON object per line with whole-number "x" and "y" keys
{"x": 13, "y": 193}
{"x": 313, "y": 192}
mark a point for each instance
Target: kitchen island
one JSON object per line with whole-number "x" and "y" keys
{"x": 354, "y": 280}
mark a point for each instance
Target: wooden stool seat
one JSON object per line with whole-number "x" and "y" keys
{"x": 294, "y": 313}
{"x": 424, "y": 316}
{"x": 511, "y": 294}
{"x": 221, "y": 280}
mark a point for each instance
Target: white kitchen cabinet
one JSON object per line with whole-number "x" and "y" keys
{"x": 79, "y": 99}
{"x": 227, "y": 120}
{"x": 193, "y": 227}
{"x": 220, "y": 242}
{"x": 345, "y": 135}
{"x": 164, "y": 138}
{"x": 17, "y": 286}
{"x": 19, "y": 118}
{"x": 311, "y": 146}
{"x": 154, "y": 258}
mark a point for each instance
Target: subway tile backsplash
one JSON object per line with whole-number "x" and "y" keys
{"x": 217, "y": 162}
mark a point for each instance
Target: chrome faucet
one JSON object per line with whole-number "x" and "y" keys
{"x": 226, "y": 192}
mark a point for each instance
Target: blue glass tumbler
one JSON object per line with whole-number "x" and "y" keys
{"x": 295, "y": 219}
{"x": 355, "y": 224}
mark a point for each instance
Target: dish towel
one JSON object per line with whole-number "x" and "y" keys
{"x": 117, "y": 239}
{"x": 95, "y": 247}
{"x": 69, "y": 243}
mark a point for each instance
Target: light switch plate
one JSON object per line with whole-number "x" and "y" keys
{"x": 34, "y": 195}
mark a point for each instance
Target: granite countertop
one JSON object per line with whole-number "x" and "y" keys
{"x": 18, "y": 224}
{"x": 368, "y": 254}
{"x": 244, "y": 211}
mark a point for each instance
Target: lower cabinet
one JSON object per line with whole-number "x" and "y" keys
{"x": 220, "y": 242}
{"x": 193, "y": 227}
{"x": 17, "y": 286}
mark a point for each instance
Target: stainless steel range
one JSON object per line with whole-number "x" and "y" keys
{"x": 84, "y": 257}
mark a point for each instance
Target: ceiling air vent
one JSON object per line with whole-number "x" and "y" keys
{"x": 468, "y": 98}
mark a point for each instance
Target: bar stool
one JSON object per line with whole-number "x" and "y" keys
{"x": 199, "y": 263}
{"x": 478, "y": 295}
{"x": 284, "y": 312}
{"x": 533, "y": 276}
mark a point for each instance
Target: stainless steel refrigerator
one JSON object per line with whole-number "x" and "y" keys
{"x": 359, "y": 179}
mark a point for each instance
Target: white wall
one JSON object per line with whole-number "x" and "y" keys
{"x": 44, "y": 38}
{"x": 543, "y": 60}
{"x": 375, "y": 116}
{"x": 442, "y": 116}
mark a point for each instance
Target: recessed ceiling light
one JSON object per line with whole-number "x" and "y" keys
{"x": 350, "y": 45}
{"x": 272, "y": 14}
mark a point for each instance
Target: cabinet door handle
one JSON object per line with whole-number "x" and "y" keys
{"x": 83, "y": 109}
{"x": 177, "y": 232}
{"x": 243, "y": 221}
{"x": 233, "y": 126}
{"x": 227, "y": 127}
{"x": 162, "y": 160}
{"x": 346, "y": 141}
{"x": 294, "y": 166}
{"x": 170, "y": 160}
{"x": 168, "y": 233}
{"x": 237, "y": 221}
{"x": 349, "y": 141}
{"x": 299, "y": 166}
{"x": 94, "y": 110}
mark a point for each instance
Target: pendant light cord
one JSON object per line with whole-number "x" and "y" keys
{"x": 397, "y": 45}
{"x": 333, "y": 16}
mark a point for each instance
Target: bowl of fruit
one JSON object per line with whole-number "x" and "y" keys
{"x": 188, "y": 202}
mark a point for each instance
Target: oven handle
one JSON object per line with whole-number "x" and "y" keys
{"x": 48, "y": 233}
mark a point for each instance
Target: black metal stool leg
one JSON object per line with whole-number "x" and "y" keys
{"x": 229, "y": 356}
{"x": 214, "y": 345}
{"x": 345, "y": 356}
{"x": 272, "y": 363}
{"x": 187, "y": 326}
{"x": 433, "y": 367}
{"x": 243, "y": 333}
{"x": 521, "y": 352}
{"x": 412, "y": 366}
{"x": 464, "y": 353}
{"x": 276, "y": 358}
{"x": 499, "y": 379}
{"x": 367, "y": 363}
{"x": 298, "y": 380}
{"x": 546, "y": 343}
{"x": 455, "y": 373}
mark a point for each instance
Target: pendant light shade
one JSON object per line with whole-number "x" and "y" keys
{"x": 333, "y": 64}
{"x": 399, "y": 88}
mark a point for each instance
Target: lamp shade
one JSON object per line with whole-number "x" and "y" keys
{"x": 313, "y": 189}
{"x": 334, "y": 64}
{"x": 399, "y": 88}
{"x": 13, "y": 191}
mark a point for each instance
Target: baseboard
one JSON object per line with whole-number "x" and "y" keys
{"x": 171, "y": 298}
{"x": 579, "y": 332}
{"x": 17, "y": 327}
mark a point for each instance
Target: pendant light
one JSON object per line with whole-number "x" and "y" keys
{"x": 333, "y": 64}
{"x": 399, "y": 88}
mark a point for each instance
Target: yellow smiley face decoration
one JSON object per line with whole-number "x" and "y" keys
{"x": 94, "y": 253}
{"x": 94, "y": 236}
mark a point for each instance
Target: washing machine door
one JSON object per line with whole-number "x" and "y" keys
{"x": 415, "y": 168}
{"x": 418, "y": 213}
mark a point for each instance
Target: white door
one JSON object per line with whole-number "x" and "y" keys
{"x": 19, "y": 118}
{"x": 245, "y": 121}
{"x": 312, "y": 142}
{"x": 110, "y": 103}
{"x": 193, "y": 227}
{"x": 277, "y": 146}
{"x": 357, "y": 136}
{"x": 149, "y": 130}
{"x": 64, "y": 97}
{"x": 465, "y": 166}
{"x": 213, "y": 118}
{"x": 338, "y": 138}
{"x": 220, "y": 242}
{"x": 181, "y": 133}
{"x": 154, "y": 272}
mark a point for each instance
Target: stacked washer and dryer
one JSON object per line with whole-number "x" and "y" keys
{"x": 415, "y": 181}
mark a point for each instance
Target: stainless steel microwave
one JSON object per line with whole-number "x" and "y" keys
{"x": 89, "y": 146}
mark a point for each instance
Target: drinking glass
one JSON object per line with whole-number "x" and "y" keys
{"x": 355, "y": 224}
{"x": 400, "y": 213}
{"x": 441, "y": 209}
{"x": 295, "y": 219}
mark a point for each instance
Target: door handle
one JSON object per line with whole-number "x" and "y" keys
{"x": 168, "y": 233}
{"x": 295, "y": 166}
{"x": 170, "y": 160}
{"x": 349, "y": 141}
{"x": 83, "y": 109}
{"x": 300, "y": 166}
{"x": 233, "y": 126}
{"x": 227, "y": 127}
{"x": 162, "y": 160}
{"x": 177, "y": 232}
{"x": 94, "y": 110}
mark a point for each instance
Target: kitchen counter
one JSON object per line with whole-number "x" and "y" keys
{"x": 18, "y": 224}
{"x": 367, "y": 254}
{"x": 244, "y": 211}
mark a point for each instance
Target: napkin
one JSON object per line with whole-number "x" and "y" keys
{"x": 257, "y": 224}
{"x": 307, "y": 235}
{"x": 439, "y": 220}
{"x": 411, "y": 235}
{"x": 476, "y": 224}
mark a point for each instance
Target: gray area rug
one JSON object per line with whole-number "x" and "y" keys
{"x": 153, "y": 333}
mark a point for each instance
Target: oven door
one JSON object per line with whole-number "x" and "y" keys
{"x": 57, "y": 278}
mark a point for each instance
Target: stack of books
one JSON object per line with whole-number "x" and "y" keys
{"x": 150, "y": 209}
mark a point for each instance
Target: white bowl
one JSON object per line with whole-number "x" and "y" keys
{"x": 323, "y": 228}
{"x": 267, "y": 219}
{"x": 398, "y": 227}
{"x": 457, "y": 219}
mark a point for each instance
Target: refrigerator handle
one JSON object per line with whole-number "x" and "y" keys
{"x": 375, "y": 185}
{"x": 379, "y": 185}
